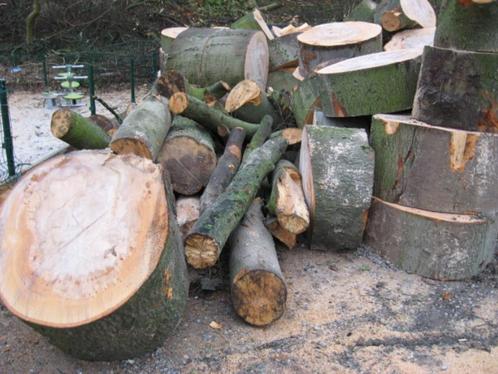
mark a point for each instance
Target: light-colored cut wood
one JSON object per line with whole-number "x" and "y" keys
{"x": 416, "y": 38}
{"x": 340, "y": 33}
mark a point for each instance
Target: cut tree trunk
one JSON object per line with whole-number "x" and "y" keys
{"x": 434, "y": 168}
{"x": 284, "y": 52}
{"x": 468, "y": 25}
{"x": 396, "y": 15}
{"x": 416, "y": 38}
{"x": 78, "y": 131}
{"x": 253, "y": 21}
{"x": 187, "y": 213}
{"x": 333, "y": 42}
{"x": 305, "y": 99}
{"x": 188, "y": 155}
{"x": 286, "y": 200}
{"x": 257, "y": 285}
{"x": 101, "y": 248}
{"x": 211, "y": 118}
{"x": 287, "y": 238}
{"x": 383, "y": 82}
{"x": 205, "y": 56}
{"x": 209, "y": 235}
{"x": 168, "y": 36}
{"x": 337, "y": 167}
{"x": 458, "y": 89}
{"x": 226, "y": 169}
{"x": 364, "y": 11}
{"x": 249, "y": 103}
{"x": 143, "y": 131}
{"x": 434, "y": 245}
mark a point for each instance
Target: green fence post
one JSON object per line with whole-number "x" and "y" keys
{"x": 7, "y": 136}
{"x": 91, "y": 89}
{"x": 45, "y": 72}
{"x": 132, "y": 79}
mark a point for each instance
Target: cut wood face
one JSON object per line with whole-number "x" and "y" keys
{"x": 258, "y": 17}
{"x": 371, "y": 61}
{"x": 173, "y": 32}
{"x": 307, "y": 173}
{"x": 417, "y": 38}
{"x": 420, "y": 11}
{"x": 257, "y": 62}
{"x": 245, "y": 92}
{"x": 297, "y": 74}
{"x": 291, "y": 209}
{"x": 61, "y": 122}
{"x": 340, "y": 33}
{"x": 80, "y": 234}
{"x": 201, "y": 251}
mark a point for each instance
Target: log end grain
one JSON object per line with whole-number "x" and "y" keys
{"x": 201, "y": 251}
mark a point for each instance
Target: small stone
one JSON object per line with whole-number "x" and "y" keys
{"x": 444, "y": 367}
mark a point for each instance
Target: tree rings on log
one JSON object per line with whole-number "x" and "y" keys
{"x": 337, "y": 167}
{"x": 395, "y": 15}
{"x": 95, "y": 236}
{"x": 458, "y": 89}
{"x": 416, "y": 38}
{"x": 168, "y": 36}
{"x": 337, "y": 41}
{"x": 434, "y": 245}
{"x": 383, "y": 82}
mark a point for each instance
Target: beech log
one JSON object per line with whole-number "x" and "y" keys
{"x": 284, "y": 52}
{"x": 305, "y": 99}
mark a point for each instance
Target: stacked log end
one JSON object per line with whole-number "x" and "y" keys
{"x": 396, "y": 15}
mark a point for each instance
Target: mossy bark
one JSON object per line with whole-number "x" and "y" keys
{"x": 282, "y": 81}
{"x": 259, "y": 138}
{"x": 305, "y": 99}
{"x": 284, "y": 52}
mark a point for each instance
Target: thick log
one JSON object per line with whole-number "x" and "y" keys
{"x": 208, "y": 237}
{"x": 78, "y": 131}
{"x": 458, "y": 89}
{"x": 213, "y": 119}
{"x": 333, "y": 42}
{"x": 187, "y": 213}
{"x": 168, "y": 36}
{"x": 257, "y": 285}
{"x": 284, "y": 52}
{"x": 188, "y": 155}
{"x": 205, "y": 56}
{"x": 226, "y": 169}
{"x": 286, "y": 200}
{"x": 434, "y": 168}
{"x": 468, "y": 25}
{"x": 249, "y": 103}
{"x": 383, "y": 82}
{"x": 396, "y": 15}
{"x": 253, "y": 20}
{"x": 364, "y": 11}
{"x": 105, "y": 284}
{"x": 416, "y": 38}
{"x": 143, "y": 131}
{"x": 285, "y": 237}
{"x": 434, "y": 245}
{"x": 337, "y": 167}
{"x": 305, "y": 99}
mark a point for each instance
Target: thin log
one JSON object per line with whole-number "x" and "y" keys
{"x": 396, "y": 15}
{"x": 259, "y": 137}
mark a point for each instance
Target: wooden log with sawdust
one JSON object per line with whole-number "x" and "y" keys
{"x": 99, "y": 242}
{"x": 440, "y": 246}
{"x": 337, "y": 167}
{"x": 258, "y": 289}
{"x": 396, "y": 15}
{"x": 415, "y": 38}
{"x": 458, "y": 89}
{"x": 253, "y": 20}
{"x": 187, "y": 213}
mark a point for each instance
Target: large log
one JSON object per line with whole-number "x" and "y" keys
{"x": 305, "y": 99}
{"x": 337, "y": 167}
{"x": 383, "y": 82}
{"x": 209, "y": 235}
{"x": 434, "y": 245}
{"x": 337, "y": 41}
{"x": 396, "y": 15}
{"x": 434, "y": 168}
{"x": 143, "y": 131}
{"x": 257, "y": 285}
{"x": 78, "y": 131}
{"x": 458, "y": 89}
{"x": 205, "y": 56}
{"x": 284, "y": 52}
{"x": 468, "y": 25}
{"x": 416, "y": 38}
{"x": 188, "y": 155}
{"x": 100, "y": 246}
{"x": 253, "y": 20}
{"x": 168, "y": 36}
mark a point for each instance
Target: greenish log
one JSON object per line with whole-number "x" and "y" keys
{"x": 282, "y": 80}
{"x": 305, "y": 99}
{"x": 259, "y": 138}
{"x": 337, "y": 167}
{"x": 364, "y": 11}
{"x": 257, "y": 284}
{"x": 284, "y": 52}
{"x": 396, "y": 15}
{"x": 209, "y": 235}
{"x": 416, "y": 38}
{"x": 211, "y": 118}
{"x": 433, "y": 245}
{"x": 253, "y": 20}
{"x": 285, "y": 237}
{"x": 458, "y": 89}
{"x": 168, "y": 36}
{"x": 468, "y": 25}
{"x": 434, "y": 168}
{"x": 188, "y": 156}
{"x": 226, "y": 169}
{"x": 78, "y": 131}
{"x": 205, "y": 56}
{"x": 333, "y": 42}
{"x": 383, "y": 82}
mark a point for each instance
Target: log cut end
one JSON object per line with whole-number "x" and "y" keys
{"x": 420, "y": 11}
{"x": 61, "y": 123}
{"x": 178, "y": 102}
{"x": 172, "y": 32}
{"x": 257, "y": 61}
{"x": 278, "y": 232}
{"x": 201, "y": 251}
{"x": 340, "y": 33}
{"x": 246, "y": 92}
{"x": 417, "y": 38}
{"x": 127, "y": 146}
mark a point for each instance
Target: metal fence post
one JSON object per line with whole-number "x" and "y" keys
{"x": 7, "y": 135}
{"x": 91, "y": 89}
{"x": 132, "y": 79}
{"x": 45, "y": 72}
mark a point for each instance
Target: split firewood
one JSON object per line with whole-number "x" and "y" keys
{"x": 248, "y": 102}
{"x": 383, "y": 82}
{"x": 209, "y": 235}
{"x": 396, "y": 15}
{"x": 258, "y": 289}
{"x": 418, "y": 240}
{"x": 205, "y": 56}
{"x": 78, "y": 131}
{"x": 259, "y": 138}
{"x": 214, "y": 119}
{"x": 188, "y": 155}
{"x": 468, "y": 25}
{"x": 253, "y": 20}
{"x": 416, "y": 38}
{"x": 364, "y": 11}
{"x": 458, "y": 89}
{"x": 285, "y": 237}
{"x": 107, "y": 251}
{"x": 333, "y": 42}
{"x": 168, "y": 36}
{"x": 143, "y": 131}
{"x": 226, "y": 169}
{"x": 286, "y": 200}
{"x": 305, "y": 99}
{"x": 337, "y": 167}
{"x": 187, "y": 213}
{"x": 289, "y": 29}
{"x": 434, "y": 168}
{"x": 284, "y": 52}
